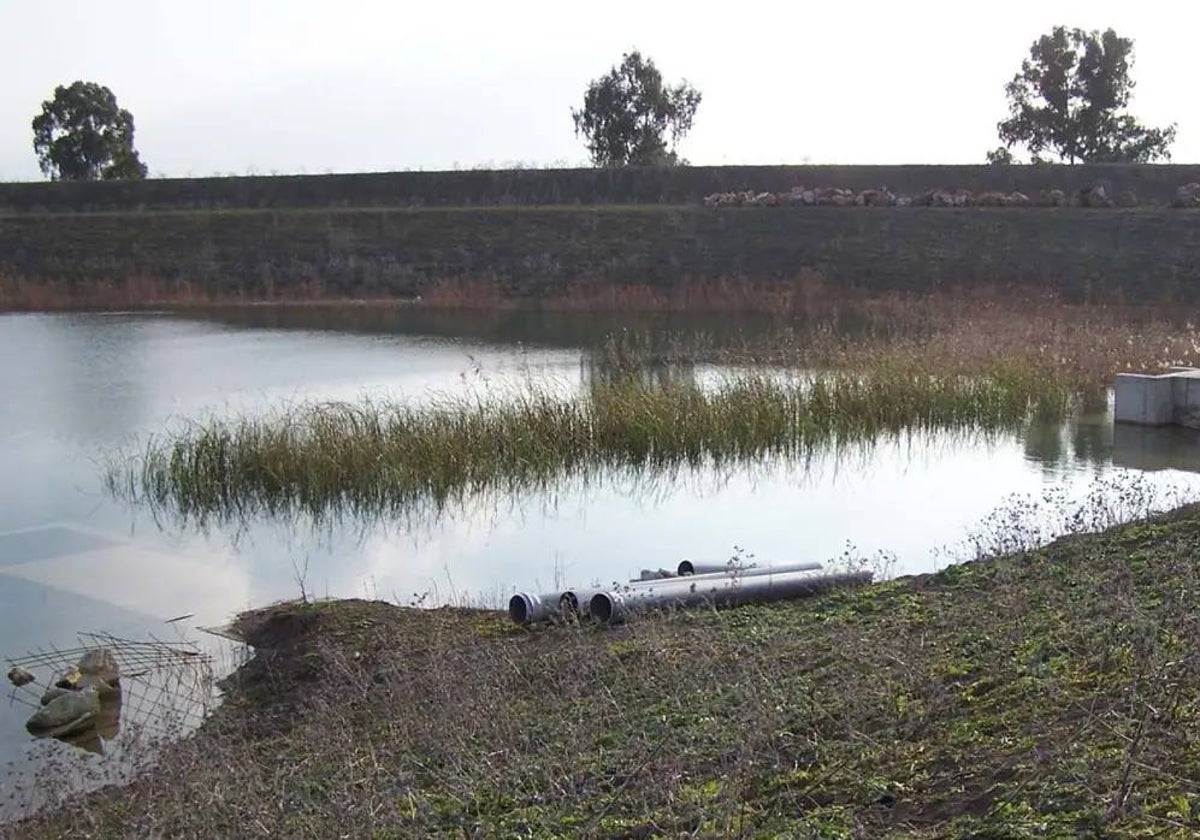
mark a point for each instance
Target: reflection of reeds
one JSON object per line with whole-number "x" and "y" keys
{"x": 370, "y": 458}
{"x": 807, "y": 293}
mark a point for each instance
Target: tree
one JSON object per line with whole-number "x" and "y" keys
{"x": 1000, "y": 156}
{"x": 629, "y": 113}
{"x": 83, "y": 135}
{"x": 1069, "y": 100}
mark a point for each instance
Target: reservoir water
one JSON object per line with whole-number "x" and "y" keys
{"x": 78, "y": 389}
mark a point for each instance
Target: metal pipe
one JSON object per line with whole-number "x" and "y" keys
{"x": 578, "y": 601}
{"x": 689, "y": 568}
{"x": 532, "y": 608}
{"x": 527, "y": 608}
{"x": 615, "y": 606}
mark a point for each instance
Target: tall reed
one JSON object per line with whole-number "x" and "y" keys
{"x": 378, "y": 458}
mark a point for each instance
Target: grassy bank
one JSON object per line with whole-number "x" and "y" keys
{"x": 372, "y": 459}
{"x": 591, "y": 186}
{"x": 535, "y": 252}
{"x": 1048, "y": 693}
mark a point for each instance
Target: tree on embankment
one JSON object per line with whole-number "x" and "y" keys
{"x": 83, "y": 135}
{"x": 1069, "y": 101}
{"x": 631, "y": 118}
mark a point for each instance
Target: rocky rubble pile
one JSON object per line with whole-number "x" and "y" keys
{"x": 805, "y": 197}
{"x": 1187, "y": 196}
{"x": 1091, "y": 197}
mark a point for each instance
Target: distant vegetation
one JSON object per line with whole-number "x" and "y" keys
{"x": 534, "y": 254}
{"x": 631, "y": 118}
{"x": 83, "y": 135}
{"x": 1068, "y": 102}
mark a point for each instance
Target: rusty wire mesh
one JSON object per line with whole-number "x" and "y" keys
{"x": 167, "y": 688}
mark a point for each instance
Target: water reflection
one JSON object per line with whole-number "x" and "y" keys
{"x": 1155, "y": 448}
{"x": 542, "y": 328}
{"x": 1092, "y": 441}
{"x": 104, "y": 729}
{"x": 654, "y": 374}
{"x": 90, "y": 371}
{"x": 1083, "y": 442}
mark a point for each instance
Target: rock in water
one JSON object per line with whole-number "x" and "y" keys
{"x": 67, "y": 714}
{"x": 53, "y": 693}
{"x": 18, "y": 676}
{"x": 70, "y": 679}
{"x": 100, "y": 665}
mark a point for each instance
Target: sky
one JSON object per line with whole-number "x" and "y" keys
{"x": 300, "y": 86}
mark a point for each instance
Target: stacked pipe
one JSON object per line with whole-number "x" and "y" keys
{"x": 689, "y": 585}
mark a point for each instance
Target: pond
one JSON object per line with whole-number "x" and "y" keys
{"x": 80, "y": 387}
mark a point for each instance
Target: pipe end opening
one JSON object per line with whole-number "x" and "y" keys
{"x": 568, "y": 603}
{"x": 519, "y": 609}
{"x": 602, "y": 608}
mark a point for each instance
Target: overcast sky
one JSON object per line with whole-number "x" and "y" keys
{"x": 260, "y": 86}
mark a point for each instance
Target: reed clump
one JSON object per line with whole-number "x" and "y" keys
{"x": 374, "y": 458}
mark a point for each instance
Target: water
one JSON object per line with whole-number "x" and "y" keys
{"x": 79, "y": 387}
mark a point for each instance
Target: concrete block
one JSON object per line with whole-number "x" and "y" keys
{"x": 1160, "y": 401}
{"x": 1145, "y": 399}
{"x": 1186, "y": 396}
{"x": 1129, "y": 398}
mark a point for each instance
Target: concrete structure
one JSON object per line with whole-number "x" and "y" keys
{"x": 1171, "y": 398}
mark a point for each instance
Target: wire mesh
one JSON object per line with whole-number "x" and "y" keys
{"x": 167, "y": 688}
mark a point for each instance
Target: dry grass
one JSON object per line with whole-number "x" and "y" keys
{"x": 804, "y": 295}
{"x": 23, "y": 295}
{"x": 808, "y": 322}
{"x": 1084, "y": 345}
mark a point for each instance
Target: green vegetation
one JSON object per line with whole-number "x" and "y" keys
{"x": 628, "y": 113}
{"x": 1141, "y": 254}
{"x": 375, "y": 458}
{"x": 1050, "y": 693}
{"x": 1069, "y": 100}
{"x": 83, "y": 135}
